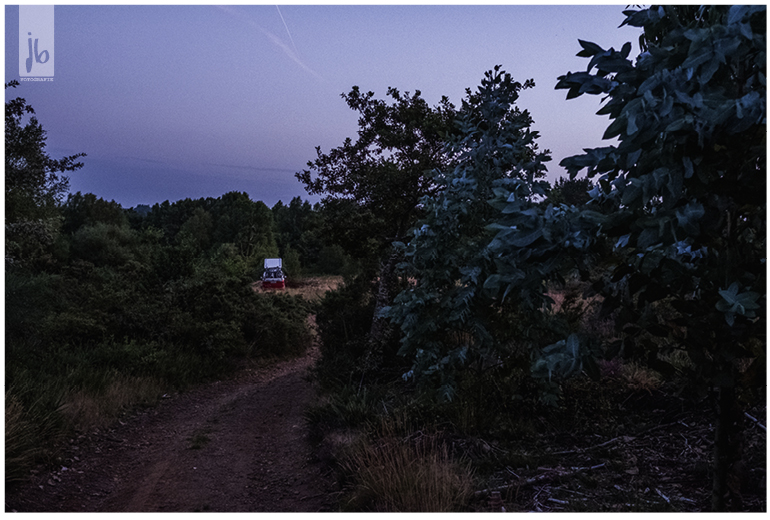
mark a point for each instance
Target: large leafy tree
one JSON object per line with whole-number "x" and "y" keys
{"x": 573, "y": 192}
{"x": 299, "y": 227}
{"x": 371, "y": 188}
{"x": 384, "y": 173}
{"x": 448, "y": 318}
{"x": 684, "y": 193}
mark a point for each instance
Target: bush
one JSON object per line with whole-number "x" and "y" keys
{"x": 291, "y": 263}
{"x": 343, "y": 319}
{"x": 105, "y": 244}
{"x": 278, "y": 325}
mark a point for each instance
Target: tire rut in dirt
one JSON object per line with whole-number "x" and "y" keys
{"x": 233, "y": 446}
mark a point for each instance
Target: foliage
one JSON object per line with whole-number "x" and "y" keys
{"x": 381, "y": 177}
{"x": 33, "y": 185}
{"x": 111, "y": 312}
{"x": 292, "y": 266}
{"x": 572, "y": 192}
{"x": 343, "y": 319}
{"x": 684, "y": 194}
{"x": 299, "y": 227}
{"x": 332, "y": 260}
{"x": 34, "y": 188}
{"x": 480, "y": 266}
{"x": 80, "y": 209}
{"x": 684, "y": 190}
{"x": 232, "y": 218}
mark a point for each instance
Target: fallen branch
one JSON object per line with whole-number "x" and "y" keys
{"x": 625, "y": 438}
{"x": 314, "y": 496}
{"x": 552, "y": 473}
{"x": 755, "y": 420}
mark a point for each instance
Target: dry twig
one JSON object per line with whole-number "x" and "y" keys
{"x": 551, "y": 473}
{"x": 625, "y": 438}
{"x": 755, "y": 420}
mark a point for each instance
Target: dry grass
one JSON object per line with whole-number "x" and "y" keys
{"x": 20, "y": 445}
{"x": 311, "y": 288}
{"x": 84, "y": 410}
{"x": 640, "y": 378}
{"x": 408, "y": 475}
{"x": 571, "y": 301}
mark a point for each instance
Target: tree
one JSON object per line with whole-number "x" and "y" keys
{"x": 299, "y": 226}
{"x": 88, "y": 209}
{"x": 573, "y": 192}
{"x": 34, "y": 186}
{"x": 372, "y": 187}
{"x": 448, "y": 318}
{"x": 387, "y": 170}
{"x": 684, "y": 194}
{"x": 195, "y": 233}
{"x": 245, "y": 223}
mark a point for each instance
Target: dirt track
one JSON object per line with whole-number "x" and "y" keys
{"x": 236, "y": 445}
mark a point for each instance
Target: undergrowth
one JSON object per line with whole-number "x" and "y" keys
{"x": 100, "y": 340}
{"x": 396, "y": 448}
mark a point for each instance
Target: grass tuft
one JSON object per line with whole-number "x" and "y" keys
{"x": 412, "y": 474}
{"x": 27, "y": 431}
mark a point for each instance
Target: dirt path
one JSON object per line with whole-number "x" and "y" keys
{"x": 236, "y": 445}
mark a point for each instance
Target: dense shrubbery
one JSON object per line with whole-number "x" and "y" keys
{"x": 343, "y": 319}
{"x": 108, "y": 308}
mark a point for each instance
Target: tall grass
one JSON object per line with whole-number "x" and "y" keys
{"x": 39, "y": 414}
{"x": 28, "y": 429}
{"x": 84, "y": 410}
{"x": 412, "y": 474}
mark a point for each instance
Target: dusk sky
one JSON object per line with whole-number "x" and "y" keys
{"x": 172, "y": 102}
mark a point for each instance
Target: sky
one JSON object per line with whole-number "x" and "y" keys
{"x": 171, "y": 102}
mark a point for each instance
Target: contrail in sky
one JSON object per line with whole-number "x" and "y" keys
{"x": 291, "y": 53}
{"x": 287, "y": 30}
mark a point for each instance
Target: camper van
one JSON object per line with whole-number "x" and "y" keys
{"x": 273, "y": 276}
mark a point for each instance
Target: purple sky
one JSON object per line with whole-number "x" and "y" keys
{"x": 194, "y": 101}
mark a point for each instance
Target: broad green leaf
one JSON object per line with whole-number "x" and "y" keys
{"x": 736, "y": 13}
{"x": 526, "y": 239}
{"x": 589, "y": 49}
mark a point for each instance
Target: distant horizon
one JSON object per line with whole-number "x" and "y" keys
{"x": 197, "y": 185}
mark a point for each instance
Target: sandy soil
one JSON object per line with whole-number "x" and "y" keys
{"x": 235, "y": 445}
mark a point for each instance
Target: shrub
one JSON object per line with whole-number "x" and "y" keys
{"x": 278, "y": 325}
{"x": 23, "y": 437}
{"x": 416, "y": 474}
{"x": 291, "y": 264}
{"x": 344, "y": 318}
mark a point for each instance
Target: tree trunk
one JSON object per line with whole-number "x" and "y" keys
{"x": 381, "y": 328}
{"x": 728, "y": 449}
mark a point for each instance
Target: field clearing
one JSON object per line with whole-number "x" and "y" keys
{"x": 310, "y": 288}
